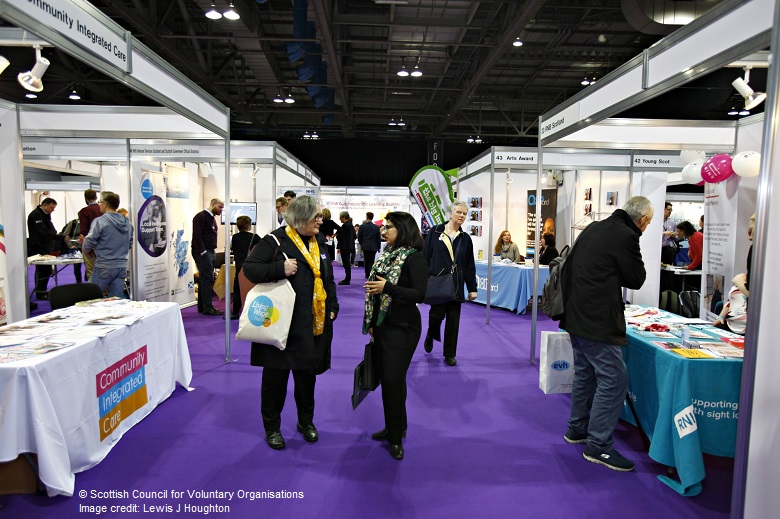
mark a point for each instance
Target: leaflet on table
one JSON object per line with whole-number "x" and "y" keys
{"x": 667, "y": 345}
{"x": 721, "y": 349}
{"x": 21, "y": 352}
{"x": 692, "y": 353}
{"x": 656, "y": 335}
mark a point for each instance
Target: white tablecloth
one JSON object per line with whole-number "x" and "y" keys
{"x": 72, "y": 406}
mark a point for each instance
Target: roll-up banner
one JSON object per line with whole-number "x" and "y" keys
{"x": 432, "y": 189}
{"x": 152, "y": 237}
{"x": 179, "y": 223}
{"x": 547, "y": 223}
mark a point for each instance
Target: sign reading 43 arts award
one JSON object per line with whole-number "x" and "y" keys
{"x": 74, "y": 22}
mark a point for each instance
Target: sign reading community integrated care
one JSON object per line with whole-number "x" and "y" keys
{"x": 121, "y": 390}
{"x": 75, "y": 24}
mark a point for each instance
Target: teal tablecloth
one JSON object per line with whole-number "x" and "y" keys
{"x": 511, "y": 286}
{"x": 687, "y": 407}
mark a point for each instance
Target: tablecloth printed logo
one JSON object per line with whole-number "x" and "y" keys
{"x": 685, "y": 422}
{"x": 262, "y": 312}
{"x": 121, "y": 390}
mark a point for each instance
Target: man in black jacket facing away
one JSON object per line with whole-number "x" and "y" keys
{"x": 346, "y": 241}
{"x": 42, "y": 240}
{"x": 370, "y": 240}
{"x": 607, "y": 257}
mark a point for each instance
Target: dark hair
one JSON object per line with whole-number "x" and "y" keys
{"x": 549, "y": 240}
{"x": 243, "y": 222}
{"x": 111, "y": 199}
{"x": 668, "y": 204}
{"x": 290, "y": 193}
{"x": 369, "y": 215}
{"x": 90, "y": 195}
{"x": 47, "y": 201}
{"x": 687, "y": 228}
{"x": 408, "y": 234}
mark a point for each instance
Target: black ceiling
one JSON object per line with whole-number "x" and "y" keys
{"x": 474, "y": 82}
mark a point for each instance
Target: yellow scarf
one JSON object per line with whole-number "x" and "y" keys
{"x": 312, "y": 258}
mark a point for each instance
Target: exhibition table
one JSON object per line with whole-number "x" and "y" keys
{"x": 58, "y": 262}
{"x": 71, "y": 406}
{"x": 511, "y": 285}
{"x": 687, "y": 407}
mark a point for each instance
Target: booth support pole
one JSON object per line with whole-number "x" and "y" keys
{"x": 760, "y": 468}
{"x": 133, "y": 220}
{"x": 538, "y": 210}
{"x": 490, "y": 234}
{"x": 228, "y": 286}
{"x": 506, "y": 200}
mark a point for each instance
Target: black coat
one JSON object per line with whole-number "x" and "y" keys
{"x": 605, "y": 258}
{"x": 369, "y": 236}
{"x": 304, "y": 351}
{"x": 402, "y": 326}
{"x": 438, "y": 256}
{"x": 549, "y": 254}
{"x": 346, "y": 236}
{"x": 43, "y": 235}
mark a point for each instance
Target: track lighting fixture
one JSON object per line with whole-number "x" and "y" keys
{"x": 752, "y": 99}
{"x": 31, "y": 80}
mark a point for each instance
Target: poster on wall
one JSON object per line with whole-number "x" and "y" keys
{"x": 152, "y": 237}
{"x": 549, "y": 208}
{"x": 298, "y": 190}
{"x": 720, "y": 206}
{"x": 432, "y": 189}
{"x": 475, "y": 202}
{"x": 3, "y": 279}
{"x": 358, "y": 206}
{"x": 179, "y": 223}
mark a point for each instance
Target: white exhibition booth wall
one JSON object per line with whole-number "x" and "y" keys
{"x": 723, "y": 35}
{"x": 167, "y": 183}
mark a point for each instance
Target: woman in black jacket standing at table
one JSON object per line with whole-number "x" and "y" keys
{"x": 547, "y": 250}
{"x": 443, "y": 242}
{"x": 307, "y": 355}
{"x": 396, "y": 284}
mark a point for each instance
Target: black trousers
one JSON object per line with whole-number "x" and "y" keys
{"x": 451, "y": 312}
{"x": 392, "y": 362}
{"x": 346, "y": 260}
{"x": 273, "y": 393}
{"x": 205, "y": 265}
{"x": 368, "y": 260}
{"x": 42, "y": 275}
{"x": 667, "y": 254}
{"x": 236, "y": 302}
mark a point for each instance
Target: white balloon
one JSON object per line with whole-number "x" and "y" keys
{"x": 746, "y": 163}
{"x": 691, "y": 173}
{"x": 689, "y": 156}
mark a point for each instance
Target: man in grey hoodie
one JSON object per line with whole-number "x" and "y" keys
{"x": 109, "y": 238}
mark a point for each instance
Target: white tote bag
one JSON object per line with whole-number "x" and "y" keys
{"x": 267, "y": 313}
{"x": 556, "y": 363}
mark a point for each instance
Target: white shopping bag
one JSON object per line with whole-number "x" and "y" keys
{"x": 556, "y": 363}
{"x": 267, "y": 313}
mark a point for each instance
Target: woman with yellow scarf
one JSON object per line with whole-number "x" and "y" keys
{"x": 395, "y": 286}
{"x": 302, "y": 258}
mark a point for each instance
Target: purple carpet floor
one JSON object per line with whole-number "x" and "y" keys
{"x": 483, "y": 441}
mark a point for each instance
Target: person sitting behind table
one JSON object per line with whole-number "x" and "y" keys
{"x": 733, "y": 316}
{"x": 547, "y": 250}
{"x": 508, "y": 249}
{"x": 686, "y": 230}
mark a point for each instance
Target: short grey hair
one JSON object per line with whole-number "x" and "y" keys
{"x": 458, "y": 203}
{"x": 637, "y": 207}
{"x": 301, "y": 210}
{"x": 344, "y": 214}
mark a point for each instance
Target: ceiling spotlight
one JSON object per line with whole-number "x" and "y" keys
{"x": 392, "y": 122}
{"x": 517, "y": 42}
{"x": 32, "y": 80}
{"x": 314, "y": 135}
{"x": 416, "y": 72}
{"x": 278, "y": 98}
{"x": 752, "y": 99}
{"x": 401, "y": 122}
{"x": 306, "y": 135}
{"x": 478, "y": 140}
{"x": 74, "y": 95}
{"x": 31, "y": 95}
{"x": 470, "y": 139}
{"x": 212, "y": 13}
{"x": 289, "y": 99}
{"x": 585, "y": 82}
{"x": 3, "y": 64}
{"x": 403, "y": 72}
{"x": 231, "y": 13}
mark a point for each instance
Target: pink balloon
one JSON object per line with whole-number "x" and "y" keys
{"x": 717, "y": 168}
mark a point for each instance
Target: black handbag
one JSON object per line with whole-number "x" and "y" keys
{"x": 443, "y": 287}
{"x": 366, "y": 378}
